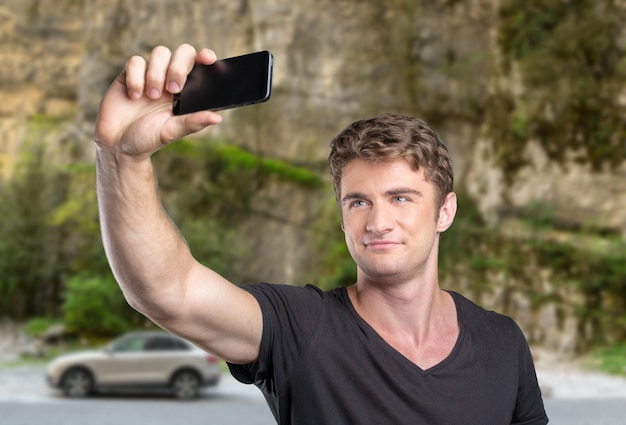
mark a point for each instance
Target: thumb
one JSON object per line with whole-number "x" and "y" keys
{"x": 183, "y": 125}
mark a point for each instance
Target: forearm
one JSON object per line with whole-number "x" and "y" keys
{"x": 147, "y": 254}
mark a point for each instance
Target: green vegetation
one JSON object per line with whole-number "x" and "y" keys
{"x": 571, "y": 66}
{"x": 611, "y": 359}
{"x": 561, "y": 70}
{"x": 236, "y": 160}
{"x": 48, "y": 231}
{"x": 37, "y": 326}
{"x": 213, "y": 188}
{"x": 586, "y": 272}
{"x": 94, "y": 306}
{"x": 52, "y": 263}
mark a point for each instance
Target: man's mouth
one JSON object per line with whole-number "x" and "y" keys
{"x": 379, "y": 244}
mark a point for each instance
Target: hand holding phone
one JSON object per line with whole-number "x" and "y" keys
{"x": 227, "y": 83}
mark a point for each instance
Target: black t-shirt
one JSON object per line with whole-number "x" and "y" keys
{"x": 320, "y": 363}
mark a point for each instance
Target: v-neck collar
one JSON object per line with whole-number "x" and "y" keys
{"x": 372, "y": 332}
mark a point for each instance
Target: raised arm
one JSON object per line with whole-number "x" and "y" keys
{"x": 149, "y": 258}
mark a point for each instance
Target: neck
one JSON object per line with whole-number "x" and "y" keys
{"x": 422, "y": 325}
{"x": 412, "y": 308}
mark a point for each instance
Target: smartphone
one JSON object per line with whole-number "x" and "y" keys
{"x": 227, "y": 83}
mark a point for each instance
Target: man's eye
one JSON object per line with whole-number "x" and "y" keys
{"x": 358, "y": 203}
{"x": 400, "y": 199}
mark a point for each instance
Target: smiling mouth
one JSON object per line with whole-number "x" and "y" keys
{"x": 380, "y": 244}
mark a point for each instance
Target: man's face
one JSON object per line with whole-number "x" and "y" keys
{"x": 391, "y": 220}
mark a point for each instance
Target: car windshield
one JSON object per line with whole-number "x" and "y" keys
{"x": 135, "y": 343}
{"x": 165, "y": 343}
{"x": 128, "y": 344}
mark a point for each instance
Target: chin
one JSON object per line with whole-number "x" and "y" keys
{"x": 384, "y": 276}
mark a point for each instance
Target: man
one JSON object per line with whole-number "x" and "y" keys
{"x": 391, "y": 349}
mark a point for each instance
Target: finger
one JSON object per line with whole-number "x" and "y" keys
{"x": 200, "y": 120}
{"x": 182, "y": 61}
{"x": 206, "y": 57}
{"x": 133, "y": 76}
{"x": 192, "y": 123}
{"x": 157, "y": 70}
{"x": 184, "y": 125}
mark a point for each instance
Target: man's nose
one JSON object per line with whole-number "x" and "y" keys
{"x": 380, "y": 219}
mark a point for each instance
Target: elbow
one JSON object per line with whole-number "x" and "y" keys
{"x": 134, "y": 303}
{"x": 159, "y": 309}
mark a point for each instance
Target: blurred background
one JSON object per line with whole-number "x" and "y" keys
{"x": 529, "y": 97}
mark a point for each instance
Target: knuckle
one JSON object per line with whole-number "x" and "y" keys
{"x": 186, "y": 47}
{"x": 135, "y": 61}
{"x": 161, "y": 51}
{"x": 177, "y": 71}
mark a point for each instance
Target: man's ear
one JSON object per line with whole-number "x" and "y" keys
{"x": 447, "y": 212}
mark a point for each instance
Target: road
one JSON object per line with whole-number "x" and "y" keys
{"x": 25, "y": 399}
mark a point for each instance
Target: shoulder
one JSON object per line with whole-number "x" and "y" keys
{"x": 483, "y": 321}
{"x": 288, "y": 300}
{"x": 283, "y": 292}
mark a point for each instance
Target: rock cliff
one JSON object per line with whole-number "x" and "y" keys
{"x": 335, "y": 61}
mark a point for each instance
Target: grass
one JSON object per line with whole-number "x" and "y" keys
{"x": 610, "y": 359}
{"x": 31, "y": 360}
{"x": 24, "y": 361}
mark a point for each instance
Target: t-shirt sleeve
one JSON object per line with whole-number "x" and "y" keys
{"x": 529, "y": 409}
{"x": 290, "y": 315}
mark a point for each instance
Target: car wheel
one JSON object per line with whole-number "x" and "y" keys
{"x": 186, "y": 385}
{"x": 77, "y": 383}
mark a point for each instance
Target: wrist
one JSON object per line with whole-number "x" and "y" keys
{"x": 116, "y": 157}
{"x": 119, "y": 171}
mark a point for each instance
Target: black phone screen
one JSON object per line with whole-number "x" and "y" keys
{"x": 227, "y": 83}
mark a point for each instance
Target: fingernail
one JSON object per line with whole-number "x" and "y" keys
{"x": 173, "y": 87}
{"x": 154, "y": 93}
{"x": 134, "y": 94}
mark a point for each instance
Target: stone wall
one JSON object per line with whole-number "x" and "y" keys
{"x": 335, "y": 61}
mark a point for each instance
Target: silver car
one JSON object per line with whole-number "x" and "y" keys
{"x": 136, "y": 361}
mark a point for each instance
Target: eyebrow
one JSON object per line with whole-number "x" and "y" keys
{"x": 353, "y": 195}
{"x": 391, "y": 192}
{"x": 404, "y": 191}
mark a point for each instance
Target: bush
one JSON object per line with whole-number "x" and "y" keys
{"x": 95, "y": 306}
{"x": 37, "y": 326}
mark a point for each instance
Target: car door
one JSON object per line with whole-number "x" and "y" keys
{"x": 164, "y": 353}
{"x": 124, "y": 363}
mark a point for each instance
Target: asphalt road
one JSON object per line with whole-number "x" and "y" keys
{"x": 25, "y": 399}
